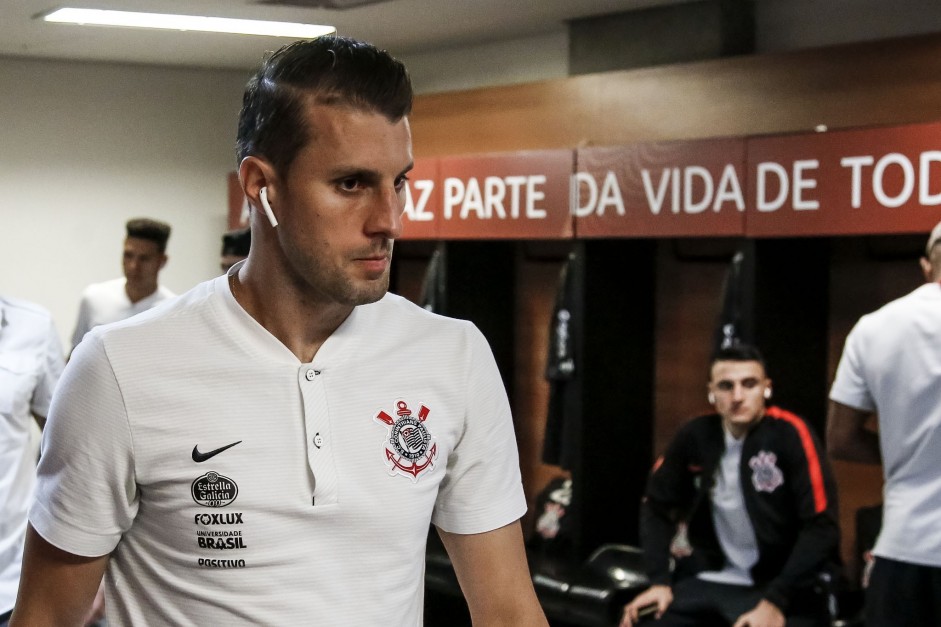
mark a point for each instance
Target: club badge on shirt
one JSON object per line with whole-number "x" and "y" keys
{"x": 409, "y": 449}
{"x": 766, "y": 476}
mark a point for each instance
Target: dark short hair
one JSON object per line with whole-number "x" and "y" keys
{"x": 737, "y": 352}
{"x": 152, "y": 230}
{"x": 332, "y": 69}
{"x": 237, "y": 242}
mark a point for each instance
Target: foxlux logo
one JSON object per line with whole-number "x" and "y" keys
{"x": 218, "y": 519}
{"x": 214, "y": 490}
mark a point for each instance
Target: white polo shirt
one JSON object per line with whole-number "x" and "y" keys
{"x": 237, "y": 485}
{"x": 733, "y": 527}
{"x": 891, "y": 365}
{"x": 31, "y": 361}
{"x": 106, "y": 302}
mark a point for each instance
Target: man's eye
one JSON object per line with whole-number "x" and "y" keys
{"x": 349, "y": 184}
{"x": 400, "y": 183}
{"x": 749, "y": 383}
{"x": 725, "y": 386}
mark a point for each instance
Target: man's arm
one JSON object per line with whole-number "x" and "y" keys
{"x": 494, "y": 576}
{"x": 56, "y": 588}
{"x": 847, "y": 436}
{"x": 810, "y": 481}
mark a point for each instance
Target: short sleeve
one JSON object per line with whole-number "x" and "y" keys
{"x": 86, "y": 495}
{"x": 482, "y": 489}
{"x": 849, "y": 386}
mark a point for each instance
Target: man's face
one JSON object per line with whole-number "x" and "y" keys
{"x": 142, "y": 261}
{"x": 341, "y": 204}
{"x": 739, "y": 391}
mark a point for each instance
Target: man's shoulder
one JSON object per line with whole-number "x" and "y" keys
{"x": 927, "y": 294}
{"x": 25, "y": 308}
{"x": 884, "y": 326}
{"x": 781, "y": 421}
{"x": 27, "y": 319}
{"x": 699, "y": 428}
{"x": 104, "y": 288}
{"x": 393, "y": 308}
{"x": 396, "y": 324}
{"x": 171, "y": 315}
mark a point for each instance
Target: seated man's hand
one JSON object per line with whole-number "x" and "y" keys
{"x": 765, "y": 614}
{"x": 661, "y": 596}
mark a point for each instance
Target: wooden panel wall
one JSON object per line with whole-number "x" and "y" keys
{"x": 536, "y": 283}
{"x": 888, "y": 82}
{"x": 688, "y": 303}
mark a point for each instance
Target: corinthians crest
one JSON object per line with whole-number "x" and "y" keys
{"x": 410, "y": 448}
{"x": 766, "y": 476}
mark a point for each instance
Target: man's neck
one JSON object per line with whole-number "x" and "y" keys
{"x": 299, "y": 322}
{"x": 136, "y": 293}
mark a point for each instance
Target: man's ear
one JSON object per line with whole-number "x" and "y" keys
{"x": 163, "y": 261}
{"x": 254, "y": 174}
{"x": 926, "y": 269}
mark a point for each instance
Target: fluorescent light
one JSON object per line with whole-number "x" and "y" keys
{"x": 165, "y": 21}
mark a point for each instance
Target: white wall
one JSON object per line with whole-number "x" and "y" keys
{"x": 84, "y": 147}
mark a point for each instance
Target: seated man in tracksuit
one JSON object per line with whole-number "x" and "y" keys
{"x": 754, "y": 488}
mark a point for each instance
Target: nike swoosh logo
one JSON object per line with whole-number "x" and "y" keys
{"x": 201, "y": 457}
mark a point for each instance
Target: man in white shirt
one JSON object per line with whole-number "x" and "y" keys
{"x": 270, "y": 447}
{"x": 31, "y": 360}
{"x": 145, "y": 255}
{"x": 891, "y": 370}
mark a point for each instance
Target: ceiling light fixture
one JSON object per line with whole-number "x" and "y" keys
{"x": 166, "y": 21}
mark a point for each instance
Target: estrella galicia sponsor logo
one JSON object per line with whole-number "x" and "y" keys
{"x": 214, "y": 490}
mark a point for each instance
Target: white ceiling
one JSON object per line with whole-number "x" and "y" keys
{"x": 402, "y": 26}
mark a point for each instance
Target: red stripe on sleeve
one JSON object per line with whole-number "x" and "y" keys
{"x": 810, "y": 452}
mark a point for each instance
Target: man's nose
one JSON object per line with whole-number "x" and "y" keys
{"x": 386, "y": 215}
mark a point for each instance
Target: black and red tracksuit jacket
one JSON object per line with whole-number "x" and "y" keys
{"x": 788, "y": 490}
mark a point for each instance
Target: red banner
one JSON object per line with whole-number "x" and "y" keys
{"x": 866, "y": 181}
{"x": 521, "y": 195}
{"x": 665, "y": 189}
{"x": 883, "y": 180}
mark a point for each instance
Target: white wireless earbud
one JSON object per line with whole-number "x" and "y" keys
{"x": 767, "y": 393}
{"x": 711, "y": 398}
{"x": 263, "y": 195}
